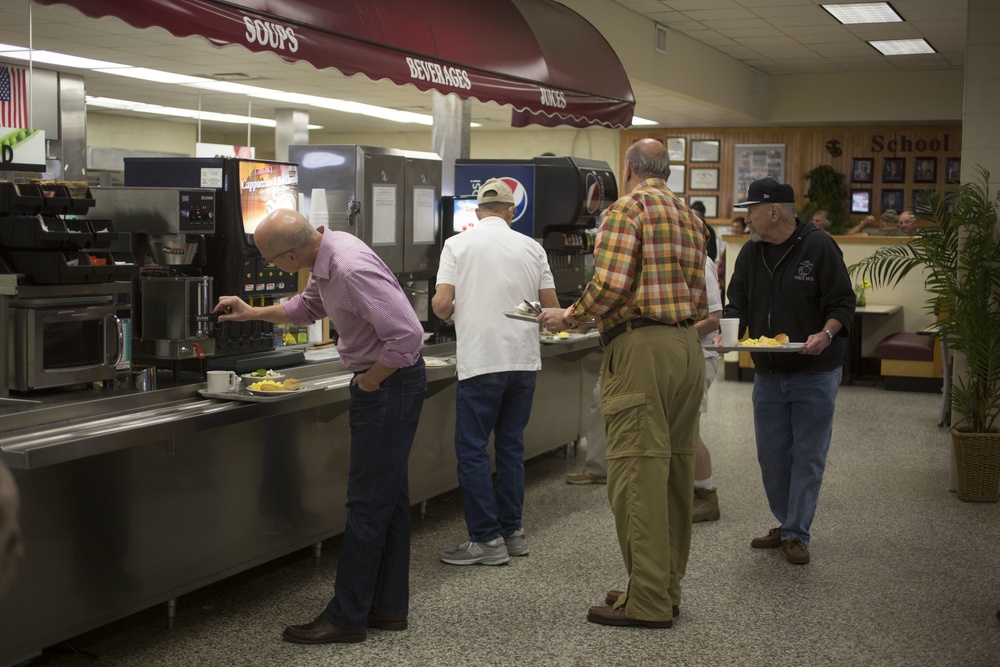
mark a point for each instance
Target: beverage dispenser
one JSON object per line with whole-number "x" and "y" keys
{"x": 557, "y": 201}
{"x": 246, "y": 191}
{"x": 388, "y": 198}
{"x": 165, "y": 229}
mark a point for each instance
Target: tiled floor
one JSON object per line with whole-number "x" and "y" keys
{"x": 903, "y": 573}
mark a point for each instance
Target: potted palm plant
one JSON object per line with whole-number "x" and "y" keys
{"x": 960, "y": 255}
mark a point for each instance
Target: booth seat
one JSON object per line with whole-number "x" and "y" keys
{"x": 910, "y": 362}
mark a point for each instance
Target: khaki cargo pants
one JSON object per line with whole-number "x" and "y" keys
{"x": 652, "y": 382}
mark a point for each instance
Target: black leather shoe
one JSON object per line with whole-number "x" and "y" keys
{"x": 380, "y": 622}
{"x": 321, "y": 631}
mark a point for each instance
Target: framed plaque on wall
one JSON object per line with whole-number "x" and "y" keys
{"x": 704, "y": 150}
{"x": 703, "y": 178}
{"x": 676, "y": 148}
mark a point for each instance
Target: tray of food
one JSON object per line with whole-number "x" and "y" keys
{"x": 564, "y": 337}
{"x": 266, "y": 390}
{"x": 517, "y": 315}
{"x": 779, "y": 343}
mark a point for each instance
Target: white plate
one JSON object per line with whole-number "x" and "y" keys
{"x": 250, "y": 377}
{"x": 257, "y": 392}
{"x": 434, "y": 362}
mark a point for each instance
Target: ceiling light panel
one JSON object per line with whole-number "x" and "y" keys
{"x": 864, "y": 12}
{"x": 902, "y": 47}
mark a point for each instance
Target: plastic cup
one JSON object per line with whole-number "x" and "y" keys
{"x": 730, "y": 331}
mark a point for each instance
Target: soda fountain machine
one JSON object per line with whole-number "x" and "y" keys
{"x": 246, "y": 191}
{"x": 557, "y": 201}
{"x": 388, "y": 198}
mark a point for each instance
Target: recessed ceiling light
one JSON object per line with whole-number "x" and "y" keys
{"x": 864, "y": 12}
{"x": 643, "y": 121}
{"x": 902, "y": 47}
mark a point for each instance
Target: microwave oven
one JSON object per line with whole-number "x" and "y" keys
{"x": 61, "y": 341}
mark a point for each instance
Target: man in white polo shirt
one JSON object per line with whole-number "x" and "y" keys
{"x": 484, "y": 271}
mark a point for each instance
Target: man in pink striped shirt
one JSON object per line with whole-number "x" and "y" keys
{"x": 380, "y": 341}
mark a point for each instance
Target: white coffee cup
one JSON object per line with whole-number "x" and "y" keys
{"x": 730, "y": 331}
{"x": 223, "y": 382}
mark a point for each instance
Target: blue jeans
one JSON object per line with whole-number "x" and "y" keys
{"x": 793, "y": 420}
{"x": 373, "y": 573}
{"x": 499, "y": 403}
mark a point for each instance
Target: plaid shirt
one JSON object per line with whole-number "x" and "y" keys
{"x": 649, "y": 261}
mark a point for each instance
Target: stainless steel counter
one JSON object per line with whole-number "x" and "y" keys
{"x": 132, "y": 499}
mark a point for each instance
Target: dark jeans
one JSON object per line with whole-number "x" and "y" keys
{"x": 373, "y": 573}
{"x": 499, "y": 403}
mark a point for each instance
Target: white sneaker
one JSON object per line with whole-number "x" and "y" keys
{"x": 517, "y": 543}
{"x": 493, "y": 552}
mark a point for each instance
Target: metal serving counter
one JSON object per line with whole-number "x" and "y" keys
{"x": 134, "y": 499}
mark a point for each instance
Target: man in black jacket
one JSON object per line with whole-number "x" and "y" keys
{"x": 791, "y": 279}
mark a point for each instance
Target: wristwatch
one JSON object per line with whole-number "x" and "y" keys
{"x": 827, "y": 332}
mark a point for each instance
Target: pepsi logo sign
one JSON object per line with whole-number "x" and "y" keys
{"x": 270, "y": 34}
{"x": 520, "y": 196}
{"x": 595, "y": 193}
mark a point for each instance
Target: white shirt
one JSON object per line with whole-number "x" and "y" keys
{"x": 714, "y": 302}
{"x": 494, "y": 268}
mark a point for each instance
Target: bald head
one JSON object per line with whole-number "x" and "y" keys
{"x": 285, "y": 230}
{"x": 648, "y": 158}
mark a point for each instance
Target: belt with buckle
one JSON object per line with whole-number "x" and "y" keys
{"x": 619, "y": 329}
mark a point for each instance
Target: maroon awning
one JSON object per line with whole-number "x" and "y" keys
{"x": 540, "y": 57}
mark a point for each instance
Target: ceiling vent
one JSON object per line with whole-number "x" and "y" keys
{"x": 661, "y": 39}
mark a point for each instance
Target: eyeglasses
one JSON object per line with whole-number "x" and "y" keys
{"x": 271, "y": 261}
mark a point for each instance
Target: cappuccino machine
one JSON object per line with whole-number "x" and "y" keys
{"x": 165, "y": 230}
{"x": 558, "y": 201}
{"x": 245, "y": 191}
{"x": 388, "y": 198}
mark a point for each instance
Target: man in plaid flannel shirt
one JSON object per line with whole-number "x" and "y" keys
{"x": 647, "y": 292}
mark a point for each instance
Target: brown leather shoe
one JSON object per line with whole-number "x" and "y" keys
{"x": 796, "y": 552}
{"x": 380, "y": 622}
{"x": 770, "y": 541}
{"x": 321, "y": 631}
{"x": 612, "y": 597}
{"x": 607, "y": 615}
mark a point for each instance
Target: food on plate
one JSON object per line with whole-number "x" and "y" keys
{"x": 263, "y": 373}
{"x": 562, "y": 334}
{"x": 764, "y": 341}
{"x": 291, "y": 384}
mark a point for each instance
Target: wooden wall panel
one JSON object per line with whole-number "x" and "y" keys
{"x": 809, "y": 147}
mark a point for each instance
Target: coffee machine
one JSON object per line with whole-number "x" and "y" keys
{"x": 165, "y": 229}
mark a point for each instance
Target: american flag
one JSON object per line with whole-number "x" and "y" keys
{"x": 13, "y": 97}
